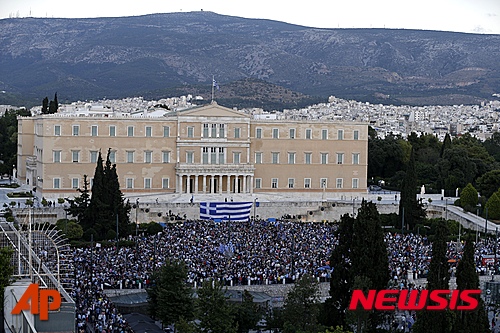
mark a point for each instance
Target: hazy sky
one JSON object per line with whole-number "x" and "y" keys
{"x": 482, "y": 16}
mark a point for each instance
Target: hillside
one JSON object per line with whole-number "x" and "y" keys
{"x": 155, "y": 55}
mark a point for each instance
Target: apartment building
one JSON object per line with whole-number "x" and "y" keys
{"x": 200, "y": 150}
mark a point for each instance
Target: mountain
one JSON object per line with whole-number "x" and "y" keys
{"x": 162, "y": 54}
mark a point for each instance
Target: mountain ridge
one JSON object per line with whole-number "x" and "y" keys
{"x": 118, "y": 57}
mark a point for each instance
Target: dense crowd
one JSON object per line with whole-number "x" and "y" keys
{"x": 256, "y": 252}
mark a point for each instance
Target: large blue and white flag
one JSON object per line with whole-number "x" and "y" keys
{"x": 223, "y": 211}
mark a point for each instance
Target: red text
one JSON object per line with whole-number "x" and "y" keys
{"x": 415, "y": 300}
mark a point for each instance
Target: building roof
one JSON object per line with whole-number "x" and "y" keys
{"x": 210, "y": 110}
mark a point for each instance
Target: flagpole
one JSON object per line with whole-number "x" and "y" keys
{"x": 213, "y": 79}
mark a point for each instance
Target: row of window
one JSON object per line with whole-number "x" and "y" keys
{"x": 323, "y": 183}
{"x": 308, "y": 135}
{"x": 129, "y": 156}
{"x": 130, "y": 183}
{"x": 210, "y": 155}
{"x": 210, "y": 131}
{"x": 94, "y": 130}
{"x": 307, "y": 158}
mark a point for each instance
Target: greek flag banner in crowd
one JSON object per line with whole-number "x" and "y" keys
{"x": 223, "y": 211}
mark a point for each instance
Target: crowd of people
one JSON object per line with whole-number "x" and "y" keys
{"x": 237, "y": 253}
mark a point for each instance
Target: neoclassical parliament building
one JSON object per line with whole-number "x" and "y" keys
{"x": 199, "y": 150}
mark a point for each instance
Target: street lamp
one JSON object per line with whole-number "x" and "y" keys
{"x": 255, "y": 208}
{"x": 136, "y": 221}
{"x": 446, "y": 208}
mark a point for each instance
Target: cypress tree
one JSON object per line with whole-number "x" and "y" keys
{"x": 437, "y": 279}
{"x": 54, "y": 105}
{"x": 114, "y": 197}
{"x": 467, "y": 278}
{"x": 446, "y": 144}
{"x": 99, "y": 210}
{"x": 369, "y": 252}
{"x": 369, "y": 255}
{"x": 411, "y": 212}
{"x": 342, "y": 278}
{"x": 45, "y": 105}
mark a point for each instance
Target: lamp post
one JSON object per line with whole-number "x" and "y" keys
{"x": 255, "y": 208}
{"x": 486, "y": 222}
{"x": 136, "y": 221}
{"x": 446, "y": 208}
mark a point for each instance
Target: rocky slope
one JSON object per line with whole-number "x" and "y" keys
{"x": 157, "y": 54}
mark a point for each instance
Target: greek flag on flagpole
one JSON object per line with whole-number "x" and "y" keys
{"x": 214, "y": 83}
{"x": 222, "y": 211}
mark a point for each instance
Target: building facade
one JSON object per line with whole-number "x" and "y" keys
{"x": 201, "y": 150}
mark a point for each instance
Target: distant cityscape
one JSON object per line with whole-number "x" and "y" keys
{"x": 480, "y": 121}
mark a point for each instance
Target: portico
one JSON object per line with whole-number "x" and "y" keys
{"x": 229, "y": 178}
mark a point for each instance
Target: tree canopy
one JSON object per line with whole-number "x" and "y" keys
{"x": 170, "y": 299}
{"x": 105, "y": 212}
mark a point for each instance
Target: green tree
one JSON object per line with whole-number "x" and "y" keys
{"x": 492, "y": 145}
{"x": 446, "y": 144}
{"x": 107, "y": 207}
{"x": 360, "y": 318}
{"x": 342, "y": 276}
{"x": 469, "y": 198}
{"x": 114, "y": 197}
{"x": 467, "y": 278}
{"x": 337, "y": 329}
{"x": 170, "y": 299}
{"x": 53, "y": 105}
{"x": 74, "y": 230}
{"x": 437, "y": 279}
{"x": 248, "y": 313}
{"x": 212, "y": 310}
{"x": 476, "y": 152}
{"x": 369, "y": 254}
{"x": 488, "y": 183}
{"x": 301, "y": 308}
{"x": 79, "y": 206}
{"x": 411, "y": 211}
{"x": 456, "y": 168}
{"x": 385, "y": 156}
{"x": 70, "y": 228}
{"x": 45, "y": 105}
{"x": 8, "y": 138}
{"x": 98, "y": 207}
{"x": 493, "y": 206}
{"x": 6, "y": 271}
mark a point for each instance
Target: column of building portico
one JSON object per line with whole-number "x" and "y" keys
{"x": 178, "y": 184}
{"x": 229, "y": 184}
{"x": 212, "y": 184}
{"x": 251, "y": 184}
{"x": 188, "y": 183}
{"x": 196, "y": 183}
{"x": 204, "y": 184}
{"x": 220, "y": 184}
